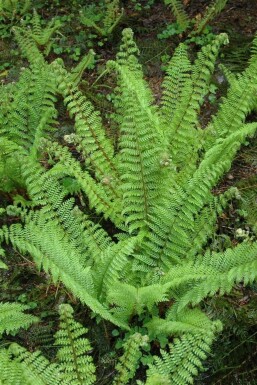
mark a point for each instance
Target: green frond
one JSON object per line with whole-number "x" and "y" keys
{"x": 212, "y": 273}
{"x": 97, "y": 147}
{"x": 36, "y": 368}
{"x": 45, "y": 241}
{"x": 179, "y": 13}
{"x": 42, "y": 36}
{"x": 27, "y": 46}
{"x": 10, "y": 165}
{"x": 204, "y": 66}
{"x": 252, "y": 60}
{"x": 128, "y": 52}
{"x": 177, "y": 74}
{"x": 101, "y": 194}
{"x": 46, "y": 191}
{"x": 9, "y": 9}
{"x": 140, "y": 151}
{"x": 113, "y": 15}
{"x": 211, "y": 11}
{"x": 57, "y": 237}
{"x": 127, "y": 57}
{"x": 10, "y": 371}
{"x": 239, "y": 102}
{"x": 216, "y": 162}
{"x": 175, "y": 222}
{"x": 248, "y": 202}
{"x": 182, "y": 362}
{"x": 110, "y": 264}
{"x": 12, "y": 317}
{"x": 32, "y": 113}
{"x": 184, "y": 134}
{"x": 77, "y": 72}
{"x": 130, "y": 300}
{"x": 128, "y": 362}
{"x": 156, "y": 246}
{"x": 205, "y": 222}
{"x": 74, "y": 361}
{"x": 83, "y": 233}
{"x": 192, "y": 321}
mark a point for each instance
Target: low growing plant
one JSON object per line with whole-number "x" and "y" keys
{"x": 10, "y": 9}
{"x": 41, "y": 35}
{"x": 102, "y": 20}
{"x": 197, "y": 28}
{"x": 134, "y": 244}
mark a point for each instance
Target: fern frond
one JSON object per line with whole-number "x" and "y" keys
{"x": 97, "y": 147}
{"x": 239, "y": 102}
{"x": 11, "y": 8}
{"x": 101, "y": 195}
{"x": 111, "y": 263}
{"x": 10, "y": 165}
{"x": 45, "y": 241}
{"x": 127, "y": 58}
{"x": 204, "y": 66}
{"x": 183, "y": 361}
{"x": 75, "y": 364}
{"x": 33, "y": 113}
{"x": 128, "y": 362}
{"x": 174, "y": 224}
{"x": 205, "y": 222}
{"x": 113, "y": 15}
{"x": 54, "y": 238}
{"x": 177, "y": 74}
{"x": 140, "y": 151}
{"x": 77, "y": 72}
{"x": 130, "y": 300}
{"x": 12, "y": 317}
{"x": 42, "y": 36}
{"x": 128, "y": 52}
{"x": 184, "y": 129}
{"x": 10, "y": 371}
{"x": 211, "y": 11}
{"x": 179, "y": 13}
{"x": 27, "y": 46}
{"x": 252, "y": 59}
{"x": 36, "y": 368}
{"x": 192, "y": 321}
{"x": 44, "y": 189}
{"x": 216, "y": 272}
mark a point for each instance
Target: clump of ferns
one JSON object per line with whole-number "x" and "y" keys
{"x": 155, "y": 188}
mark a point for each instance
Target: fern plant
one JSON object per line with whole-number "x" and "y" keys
{"x": 42, "y": 36}
{"x": 102, "y": 22}
{"x": 196, "y": 25}
{"x": 154, "y": 190}
{"x": 9, "y": 9}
